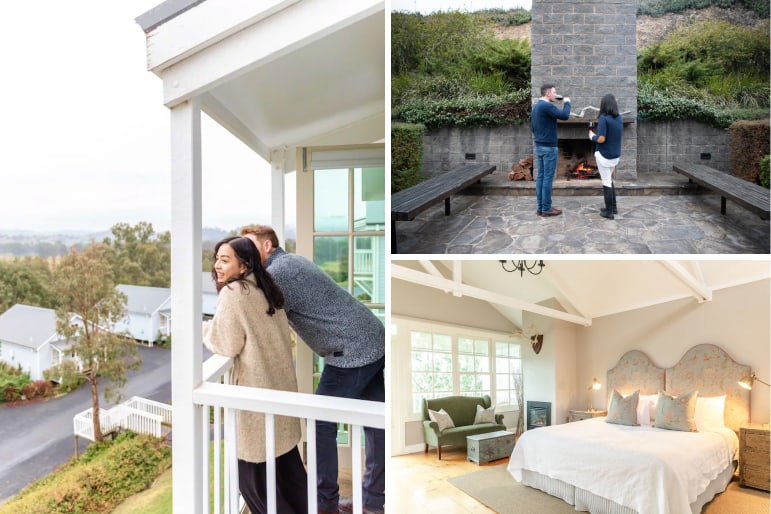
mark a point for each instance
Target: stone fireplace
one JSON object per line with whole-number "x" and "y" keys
{"x": 587, "y": 48}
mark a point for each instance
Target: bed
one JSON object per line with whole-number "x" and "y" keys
{"x": 608, "y": 468}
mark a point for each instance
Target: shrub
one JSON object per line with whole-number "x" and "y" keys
{"x": 489, "y": 111}
{"x": 436, "y": 43}
{"x": 11, "y": 394}
{"x": 102, "y": 478}
{"x": 748, "y": 142}
{"x": 659, "y": 7}
{"x": 759, "y": 7}
{"x": 43, "y": 388}
{"x": 29, "y": 391}
{"x": 406, "y": 155}
{"x": 506, "y": 16}
{"x": 765, "y": 166}
{"x": 66, "y": 374}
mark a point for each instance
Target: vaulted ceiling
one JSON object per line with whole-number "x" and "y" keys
{"x": 584, "y": 289}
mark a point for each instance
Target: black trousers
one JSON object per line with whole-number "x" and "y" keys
{"x": 291, "y": 484}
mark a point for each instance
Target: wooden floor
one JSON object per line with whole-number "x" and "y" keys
{"x": 420, "y": 483}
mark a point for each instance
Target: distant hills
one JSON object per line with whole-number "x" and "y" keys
{"x": 30, "y": 243}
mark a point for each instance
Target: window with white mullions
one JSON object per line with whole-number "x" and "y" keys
{"x": 444, "y": 365}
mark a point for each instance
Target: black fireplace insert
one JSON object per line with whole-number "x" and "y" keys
{"x": 538, "y": 414}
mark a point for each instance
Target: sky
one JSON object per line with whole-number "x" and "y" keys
{"x": 85, "y": 134}
{"x": 429, "y": 6}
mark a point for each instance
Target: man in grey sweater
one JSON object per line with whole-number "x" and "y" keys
{"x": 351, "y": 339}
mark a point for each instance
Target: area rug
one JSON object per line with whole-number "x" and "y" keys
{"x": 495, "y": 488}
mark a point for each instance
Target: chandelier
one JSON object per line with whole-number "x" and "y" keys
{"x": 522, "y": 266}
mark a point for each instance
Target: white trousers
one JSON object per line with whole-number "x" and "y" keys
{"x": 606, "y": 167}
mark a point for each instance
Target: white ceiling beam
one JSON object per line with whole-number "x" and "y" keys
{"x": 425, "y": 279}
{"x": 699, "y": 290}
{"x": 222, "y": 115}
{"x": 457, "y": 277}
{"x": 433, "y": 270}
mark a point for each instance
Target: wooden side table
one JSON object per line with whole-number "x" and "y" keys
{"x": 754, "y": 442}
{"x": 578, "y": 415}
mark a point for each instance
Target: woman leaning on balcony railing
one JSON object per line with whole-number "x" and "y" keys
{"x": 250, "y": 325}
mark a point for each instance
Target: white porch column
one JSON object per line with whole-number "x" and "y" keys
{"x": 277, "y": 203}
{"x": 186, "y": 352}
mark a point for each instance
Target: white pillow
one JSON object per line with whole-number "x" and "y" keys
{"x": 646, "y": 409}
{"x": 710, "y": 413}
{"x": 442, "y": 419}
{"x": 484, "y": 415}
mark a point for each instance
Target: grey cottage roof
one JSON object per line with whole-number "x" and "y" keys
{"x": 145, "y": 299}
{"x": 28, "y": 326}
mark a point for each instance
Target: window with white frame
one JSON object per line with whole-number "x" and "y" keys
{"x": 443, "y": 365}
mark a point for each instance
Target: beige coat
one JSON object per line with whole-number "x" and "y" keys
{"x": 262, "y": 351}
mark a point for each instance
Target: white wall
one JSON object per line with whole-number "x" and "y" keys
{"x": 737, "y": 320}
{"x": 550, "y": 376}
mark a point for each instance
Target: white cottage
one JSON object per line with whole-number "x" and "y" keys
{"x": 302, "y": 84}
{"x": 148, "y": 313}
{"x": 28, "y": 339}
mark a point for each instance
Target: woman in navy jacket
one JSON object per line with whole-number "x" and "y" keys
{"x": 608, "y": 138}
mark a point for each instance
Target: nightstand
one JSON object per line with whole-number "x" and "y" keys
{"x": 578, "y": 415}
{"x": 754, "y": 442}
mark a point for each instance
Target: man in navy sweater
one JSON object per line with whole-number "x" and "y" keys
{"x": 351, "y": 339}
{"x": 543, "y": 121}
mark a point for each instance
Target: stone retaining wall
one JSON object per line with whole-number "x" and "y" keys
{"x": 659, "y": 145}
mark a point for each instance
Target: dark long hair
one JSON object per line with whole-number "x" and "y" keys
{"x": 247, "y": 254}
{"x": 608, "y": 105}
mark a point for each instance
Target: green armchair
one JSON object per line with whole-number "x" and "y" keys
{"x": 462, "y": 410}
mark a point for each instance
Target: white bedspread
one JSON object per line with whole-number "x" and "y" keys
{"x": 650, "y": 470}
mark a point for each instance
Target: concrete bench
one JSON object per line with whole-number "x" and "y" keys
{"x": 410, "y": 202}
{"x": 750, "y": 196}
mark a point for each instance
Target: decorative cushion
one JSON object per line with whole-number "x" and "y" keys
{"x": 623, "y": 409}
{"x": 710, "y": 413}
{"x": 646, "y": 409}
{"x": 442, "y": 419}
{"x": 676, "y": 412}
{"x": 484, "y": 415}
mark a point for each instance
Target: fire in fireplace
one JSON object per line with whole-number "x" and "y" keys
{"x": 576, "y": 159}
{"x": 538, "y": 414}
{"x": 584, "y": 170}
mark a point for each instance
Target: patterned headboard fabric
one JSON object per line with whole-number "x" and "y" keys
{"x": 705, "y": 367}
{"x": 710, "y": 370}
{"x": 635, "y": 371}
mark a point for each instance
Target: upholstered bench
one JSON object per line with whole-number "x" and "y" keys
{"x": 462, "y": 410}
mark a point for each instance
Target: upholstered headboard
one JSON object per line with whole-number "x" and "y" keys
{"x": 710, "y": 370}
{"x": 635, "y": 371}
{"x": 705, "y": 367}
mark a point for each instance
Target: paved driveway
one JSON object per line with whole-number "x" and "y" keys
{"x": 36, "y": 438}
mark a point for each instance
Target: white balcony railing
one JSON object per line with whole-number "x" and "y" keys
{"x": 226, "y": 400}
{"x": 137, "y": 414}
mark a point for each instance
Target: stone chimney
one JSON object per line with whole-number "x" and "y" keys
{"x": 587, "y": 48}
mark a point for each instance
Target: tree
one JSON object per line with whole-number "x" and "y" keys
{"x": 90, "y": 306}
{"x": 26, "y": 280}
{"x": 140, "y": 257}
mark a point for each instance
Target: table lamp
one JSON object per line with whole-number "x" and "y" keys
{"x": 592, "y": 388}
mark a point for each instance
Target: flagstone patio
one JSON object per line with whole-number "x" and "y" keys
{"x": 658, "y": 214}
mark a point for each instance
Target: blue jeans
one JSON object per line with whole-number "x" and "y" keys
{"x": 546, "y": 156}
{"x": 364, "y": 383}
